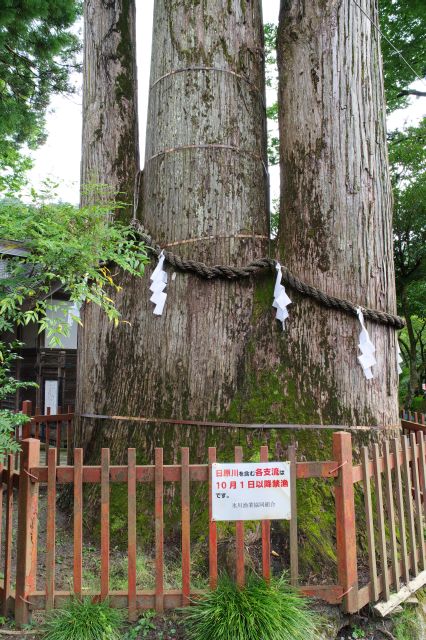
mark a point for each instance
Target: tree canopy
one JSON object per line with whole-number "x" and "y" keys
{"x": 37, "y": 54}
{"x": 403, "y": 23}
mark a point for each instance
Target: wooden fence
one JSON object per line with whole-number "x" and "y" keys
{"x": 392, "y": 482}
{"x": 26, "y": 596}
{"x": 51, "y": 429}
{"x": 413, "y": 422}
{"x": 394, "y": 490}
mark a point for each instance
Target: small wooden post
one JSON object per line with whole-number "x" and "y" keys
{"x": 159, "y": 530}
{"x": 131, "y": 535}
{"x": 105, "y": 524}
{"x": 345, "y": 521}
{"x": 266, "y": 531}
{"x": 212, "y": 526}
{"x": 186, "y": 527}
{"x": 78, "y": 521}
{"x": 294, "y": 548}
{"x": 27, "y": 410}
{"x": 239, "y": 535}
{"x": 27, "y": 531}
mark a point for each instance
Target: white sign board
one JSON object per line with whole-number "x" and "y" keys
{"x": 251, "y": 491}
{"x": 51, "y": 388}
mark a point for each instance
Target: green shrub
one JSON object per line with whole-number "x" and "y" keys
{"x": 83, "y": 620}
{"x": 408, "y": 625}
{"x": 258, "y": 611}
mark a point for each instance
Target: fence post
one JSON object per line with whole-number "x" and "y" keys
{"x": 26, "y": 550}
{"x": 26, "y": 428}
{"x": 345, "y": 521}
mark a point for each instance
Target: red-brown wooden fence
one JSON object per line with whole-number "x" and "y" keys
{"x": 412, "y": 421}
{"x": 392, "y": 480}
{"x": 53, "y": 430}
{"x": 32, "y": 475}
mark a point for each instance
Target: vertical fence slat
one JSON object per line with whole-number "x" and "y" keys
{"x": 131, "y": 541}
{"x": 391, "y": 515}
{"x": 374, "y": 590}
{"x": 47, "y": 433}
{"x": 345, "y": 521}
{"x": 400, "y": 509}
{"x": 294, "y": 550}
{"x": 78, "y": 520}
{"x": 186, "y": 531}
{"x": 26, "y": 428}
{"x": 8, "y": 532}
{"x": 26, "y": 556}
{"x": 51, "y": 529}
{"x": 239, "y": 535}
{"x": 69, "y": 445}
{"x": 418, "y": 500}
{"x": 422, "y": 463}
{"x": 105, "y": 461}
{"x": 212, "y": 526}
{"x": 409, "y": 500}
{"x": 159, "y": 533}
{"x": 266, "y": 531}
{"x": 37, "y": 424}
{"x": 58, "y": 438}
{"x": 381, "y": 521}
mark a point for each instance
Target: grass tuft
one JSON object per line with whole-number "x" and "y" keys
{"x": 259, "y": 610}
{"x": 83, "y": 620}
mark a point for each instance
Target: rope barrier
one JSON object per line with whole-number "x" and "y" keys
{"x": 227, "y": 272}
{"x": 226, "y": 425}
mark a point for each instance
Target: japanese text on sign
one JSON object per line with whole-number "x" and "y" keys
{"x": 251, "y": 491}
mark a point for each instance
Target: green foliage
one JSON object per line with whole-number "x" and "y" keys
{"x": 37, "y": 53}
{"x": 259, "y": 610}
{"x": 8, "y": 386}
{"x": 143, "y": 627}
{"x": 270, "y": 35}
{"x": 83, "y": 620}
{"x": 403, "y": 22}
{"x": 407, "y": 155}
{"x": 409, "y": 625}
{"x": 76, "y": 249}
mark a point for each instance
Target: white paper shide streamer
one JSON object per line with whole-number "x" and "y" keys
{"x": 399, "y": 358}
{"x": 159, "y": 283}
{"x": 281, "y": 299}
{"x": 367, "y": 348}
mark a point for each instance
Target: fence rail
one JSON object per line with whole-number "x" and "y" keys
{"x": 391, "y": 479}
{"x": 32, "y": 475}
{"x": 413, "y": 422}
{"x": 51, "y": 429}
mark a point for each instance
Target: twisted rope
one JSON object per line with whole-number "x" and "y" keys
{"x": 227, "y": 272}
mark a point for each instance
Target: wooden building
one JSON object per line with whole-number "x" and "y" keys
{"x": 52, "y": 367}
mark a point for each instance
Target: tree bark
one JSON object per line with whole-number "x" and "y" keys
{"x": 110, "y": 157}
{"x": 110, "y": 144}
{"x": 204, "y": 182}
{"x": 335, "y": 225}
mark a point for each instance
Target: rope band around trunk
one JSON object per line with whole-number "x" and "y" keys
{"x": 227, "y": 272}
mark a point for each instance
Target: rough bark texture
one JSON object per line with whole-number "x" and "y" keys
{"x": 189, "y": 362}
{"x": 110, "y": 149}
{"x": 110, "y": 156}
{"x": 335, "y": 226}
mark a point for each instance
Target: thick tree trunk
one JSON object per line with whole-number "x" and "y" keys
{"x": 110, "y": 156}
{"x": 335, "y": 227}
{"x": 205, "y": 182}
{"x": 110, "y": 145}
